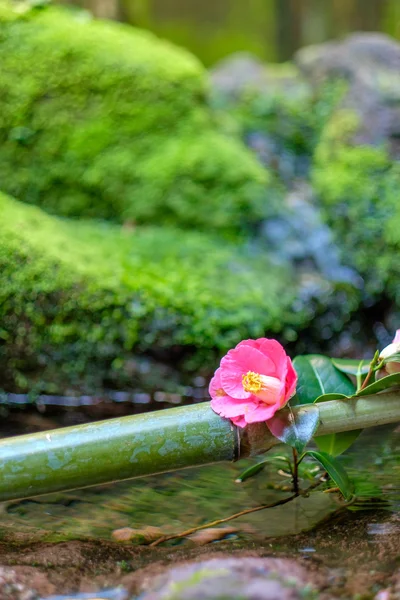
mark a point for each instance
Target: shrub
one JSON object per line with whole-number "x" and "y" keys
{"x": 282, "y": 119}
{"x": 81, "y": 299}
{"x": 103, "y": 120}
{"x": 358, "y": 187}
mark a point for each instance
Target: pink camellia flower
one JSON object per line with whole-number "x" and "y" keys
{"x": 254, "y": 380}
{"x": 393, "y": 348}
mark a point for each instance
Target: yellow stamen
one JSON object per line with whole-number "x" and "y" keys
{"x": 252, "y": 382}
{"x": 264, "y": 387}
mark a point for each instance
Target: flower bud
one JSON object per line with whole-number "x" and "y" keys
{"x": 392, "y": 366}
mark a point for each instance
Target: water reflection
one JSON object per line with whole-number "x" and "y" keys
{"x": 192, "y": 497}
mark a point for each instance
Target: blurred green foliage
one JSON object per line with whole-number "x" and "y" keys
{"x": 358, "y": 188}
{"x": 311, "y": 135}
{"x": 79, "y": 297}
{"x": 209, "y": 29}
{"x": 286, "y": 111}
{"x": 102, "y": 120}
{"x": 273, "y": 30}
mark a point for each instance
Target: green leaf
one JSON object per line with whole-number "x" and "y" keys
{"x": 252, "y": 471}
{"x": 380, "y": 385}
{"x": 337, "y": 443}
{"x": 296, "y": 430}
{"x": 352, "y": 366}
{"x": 276, "y": 461}
{"x": 333, "y": 396}
{"x": 335, "y": 471}
{"x": 317, "y": 377}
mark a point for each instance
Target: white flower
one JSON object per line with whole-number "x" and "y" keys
{"x": 392, "y": 366}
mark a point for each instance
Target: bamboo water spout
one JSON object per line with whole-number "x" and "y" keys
{"x": 157, "y": 442}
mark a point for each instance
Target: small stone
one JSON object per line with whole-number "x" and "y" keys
{"x": 211, "y": 534}
{"x": 141, "y": 537}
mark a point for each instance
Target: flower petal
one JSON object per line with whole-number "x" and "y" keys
{"x": 239, "y": 421}
{"x": 291, "y": 380}
{"x": 397, "y": 337}
{"x": 251, "y": 359}
{"x": 272, "y": 390}
{"x": 253, "y": 343}
{"x": 231, "y": 377}
{"x": 276, "y": 352}
{"x": 215, "y": 384}
{"x": 261, "y": 413}
{"x": 237, "y": 363}
{"x": 229, "y": 407}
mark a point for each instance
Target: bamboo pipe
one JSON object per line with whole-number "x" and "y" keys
{"x": 157, "y": 442}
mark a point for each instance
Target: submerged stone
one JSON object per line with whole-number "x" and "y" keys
{"x": 234, "y": 578}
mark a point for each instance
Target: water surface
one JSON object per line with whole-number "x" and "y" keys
{"x": 192, "y": 497}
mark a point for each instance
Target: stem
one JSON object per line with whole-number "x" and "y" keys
{"x": 379, "y": 365}
{"x": 295, "y": 472}
{"x": 247, "y": 511}
{"x": 359, "y": 381}
{"x": 372, "y": 369}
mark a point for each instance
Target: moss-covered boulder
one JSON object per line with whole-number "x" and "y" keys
{"x": 80, "y": 299}
{"x": 103, "y": 120}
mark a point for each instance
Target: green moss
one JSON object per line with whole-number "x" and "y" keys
{"x": 358, "y": 187}
{"x": 103, "y": 120}
{"x": 79, "y": 298}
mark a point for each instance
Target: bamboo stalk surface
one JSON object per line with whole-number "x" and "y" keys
{"x": 157, "y": 442}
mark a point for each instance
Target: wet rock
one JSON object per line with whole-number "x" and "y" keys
{"x": 242, "y": 71}
{"x": 245, "y": 578}
{"x": 370, "y": 64}
{"x": 395, "y": 589}
{"x": 238, "y": 71}
{"x": 23, "y": 584}
{"x": 327, "y": 287}
{"x": 113, "y": 594}
{"x": 300, "y": 236}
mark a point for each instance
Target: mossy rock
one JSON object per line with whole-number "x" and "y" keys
{"x": 104, "y": 120}
{"x": 278, "y": 114}
{"x": 358, "y": 188}
{"x": 81, "y": 299}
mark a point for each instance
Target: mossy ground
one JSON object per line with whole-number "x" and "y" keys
{"x": 80, "y": 297}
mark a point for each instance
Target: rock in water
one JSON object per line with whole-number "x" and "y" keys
{"x": 235, "y": 578}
